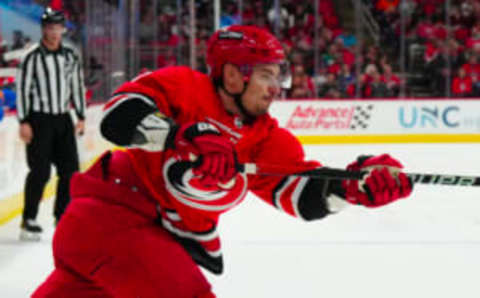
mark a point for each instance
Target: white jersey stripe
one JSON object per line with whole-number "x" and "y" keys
{"x": 279, "y": 193}
{"x": 41, "y": 75}
{"x": 297, "y": 193}
{"x": 52, "y": 83}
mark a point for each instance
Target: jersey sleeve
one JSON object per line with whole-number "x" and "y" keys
{"x": 302, "y": 197}
{"x": 282, "y": 192}
{"x": 166, "y": 88}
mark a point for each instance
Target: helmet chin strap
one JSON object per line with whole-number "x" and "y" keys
{"x": 237, "y": 99}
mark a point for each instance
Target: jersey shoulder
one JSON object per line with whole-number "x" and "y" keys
{"x": 178, "y": 91}
{"x": 176, "y": 74}
{"x": 279, "y": 144}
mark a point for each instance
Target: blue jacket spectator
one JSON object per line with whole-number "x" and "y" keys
{"x": 2, "y": 100}
{"x": 7, "y": 101}
{"x": 10, "y": 98}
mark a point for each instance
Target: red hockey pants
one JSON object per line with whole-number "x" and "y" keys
{"x": 107, "y": 244}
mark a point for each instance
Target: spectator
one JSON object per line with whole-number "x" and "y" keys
{"x": 18, "y": 40}
{"x": 147, "y": 28}
{"x": 462, "y": 84}
{"x": 2, "y": 105}
{"x": 331, "y": 88}
{"x": 432, "y": 50}
{"x": 229, "y": 16}
{"x": 7, "y": 101}
{"x": 392, "y": 82}
{"x": 3, "y": 49}
{"x": 387, "y": 5}
{"x": 349, "y": 40}
{"x": 438, "y": 71}
{"x": 378, "y": 89}
{"x": 345, "y": 79}
{"x": 302, "y": 84}
{"x": 320, "y": 79}
{"x": 472, "y": 70}
{"x": 344, "y": 54}
{"x": 426, "y": 29}
{"x": 473, "y": 42}
{"x": 439, "y": 29}
{"x": 283, "y": 21}
{"x": 328, "y": 58}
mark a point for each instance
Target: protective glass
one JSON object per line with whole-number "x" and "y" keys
{"x": 283, "y": 80}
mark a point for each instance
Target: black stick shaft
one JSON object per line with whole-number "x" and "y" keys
{"x": 442, "y": 179}
{"x": 341, "y": 174}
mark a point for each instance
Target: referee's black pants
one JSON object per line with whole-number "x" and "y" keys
{"x": 53, "y": 142}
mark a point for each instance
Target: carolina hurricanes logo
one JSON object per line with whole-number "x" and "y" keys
{"x": 185, "y": 187}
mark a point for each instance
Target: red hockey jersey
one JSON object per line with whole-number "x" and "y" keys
{"x": 186, "y": 96}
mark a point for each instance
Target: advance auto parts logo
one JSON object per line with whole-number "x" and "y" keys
{"x": 313, "y": 117}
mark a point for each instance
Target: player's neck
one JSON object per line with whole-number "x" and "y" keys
{"x": 229, "y": 103}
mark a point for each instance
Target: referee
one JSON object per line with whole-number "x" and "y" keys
{"x": 49, "y": 81}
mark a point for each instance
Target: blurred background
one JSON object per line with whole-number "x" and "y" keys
{"x": 343, "y": 49}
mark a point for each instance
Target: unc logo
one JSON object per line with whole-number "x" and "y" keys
{"x": 185, "y": 187}
{"x": 429, "y": 117}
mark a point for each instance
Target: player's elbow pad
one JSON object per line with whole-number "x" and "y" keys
{"x": 134, "y": 123}
{"x": 119, "y": 123}
{"x": 320, "y": 198}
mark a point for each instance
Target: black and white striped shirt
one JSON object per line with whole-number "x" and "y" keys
{"x": 49, "y": 81}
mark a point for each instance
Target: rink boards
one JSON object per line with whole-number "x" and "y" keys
{"x": 314, "y": 122}
{"x": 381, "y": 121}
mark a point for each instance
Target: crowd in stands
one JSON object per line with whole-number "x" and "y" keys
{"x": 336, "y": 74}
{"x": 346, "y": 68}
{"x": 7, "y": 78}
{"x": 442, "y": 46}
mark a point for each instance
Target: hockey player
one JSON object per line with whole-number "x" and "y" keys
{"x": 143, "y": 219}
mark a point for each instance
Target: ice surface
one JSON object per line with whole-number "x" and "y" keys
{"x": 425, "y": 246}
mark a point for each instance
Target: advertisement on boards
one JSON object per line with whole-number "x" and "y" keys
{"x": 328, "y": 118}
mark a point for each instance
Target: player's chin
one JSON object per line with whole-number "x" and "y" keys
{"x": 261, "y": 111}
{"x": 264, "y": 106}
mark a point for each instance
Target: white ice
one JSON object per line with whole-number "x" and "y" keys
{"x": 425, "y": 246}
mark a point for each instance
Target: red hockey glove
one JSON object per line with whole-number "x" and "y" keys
{"x": 214, "y": 154}
{"x": 384, "y": 184}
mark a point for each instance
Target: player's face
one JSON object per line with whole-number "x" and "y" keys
{"x": 52, "y": 33}
{"x": 262, "y": 89}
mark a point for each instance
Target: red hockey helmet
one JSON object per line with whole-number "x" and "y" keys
{"x": 245, "y": 47}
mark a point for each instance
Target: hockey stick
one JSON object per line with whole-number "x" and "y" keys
{"x": 341, "y": 174}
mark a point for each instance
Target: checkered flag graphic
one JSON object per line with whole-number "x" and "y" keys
{"x": 361, "y": 117}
